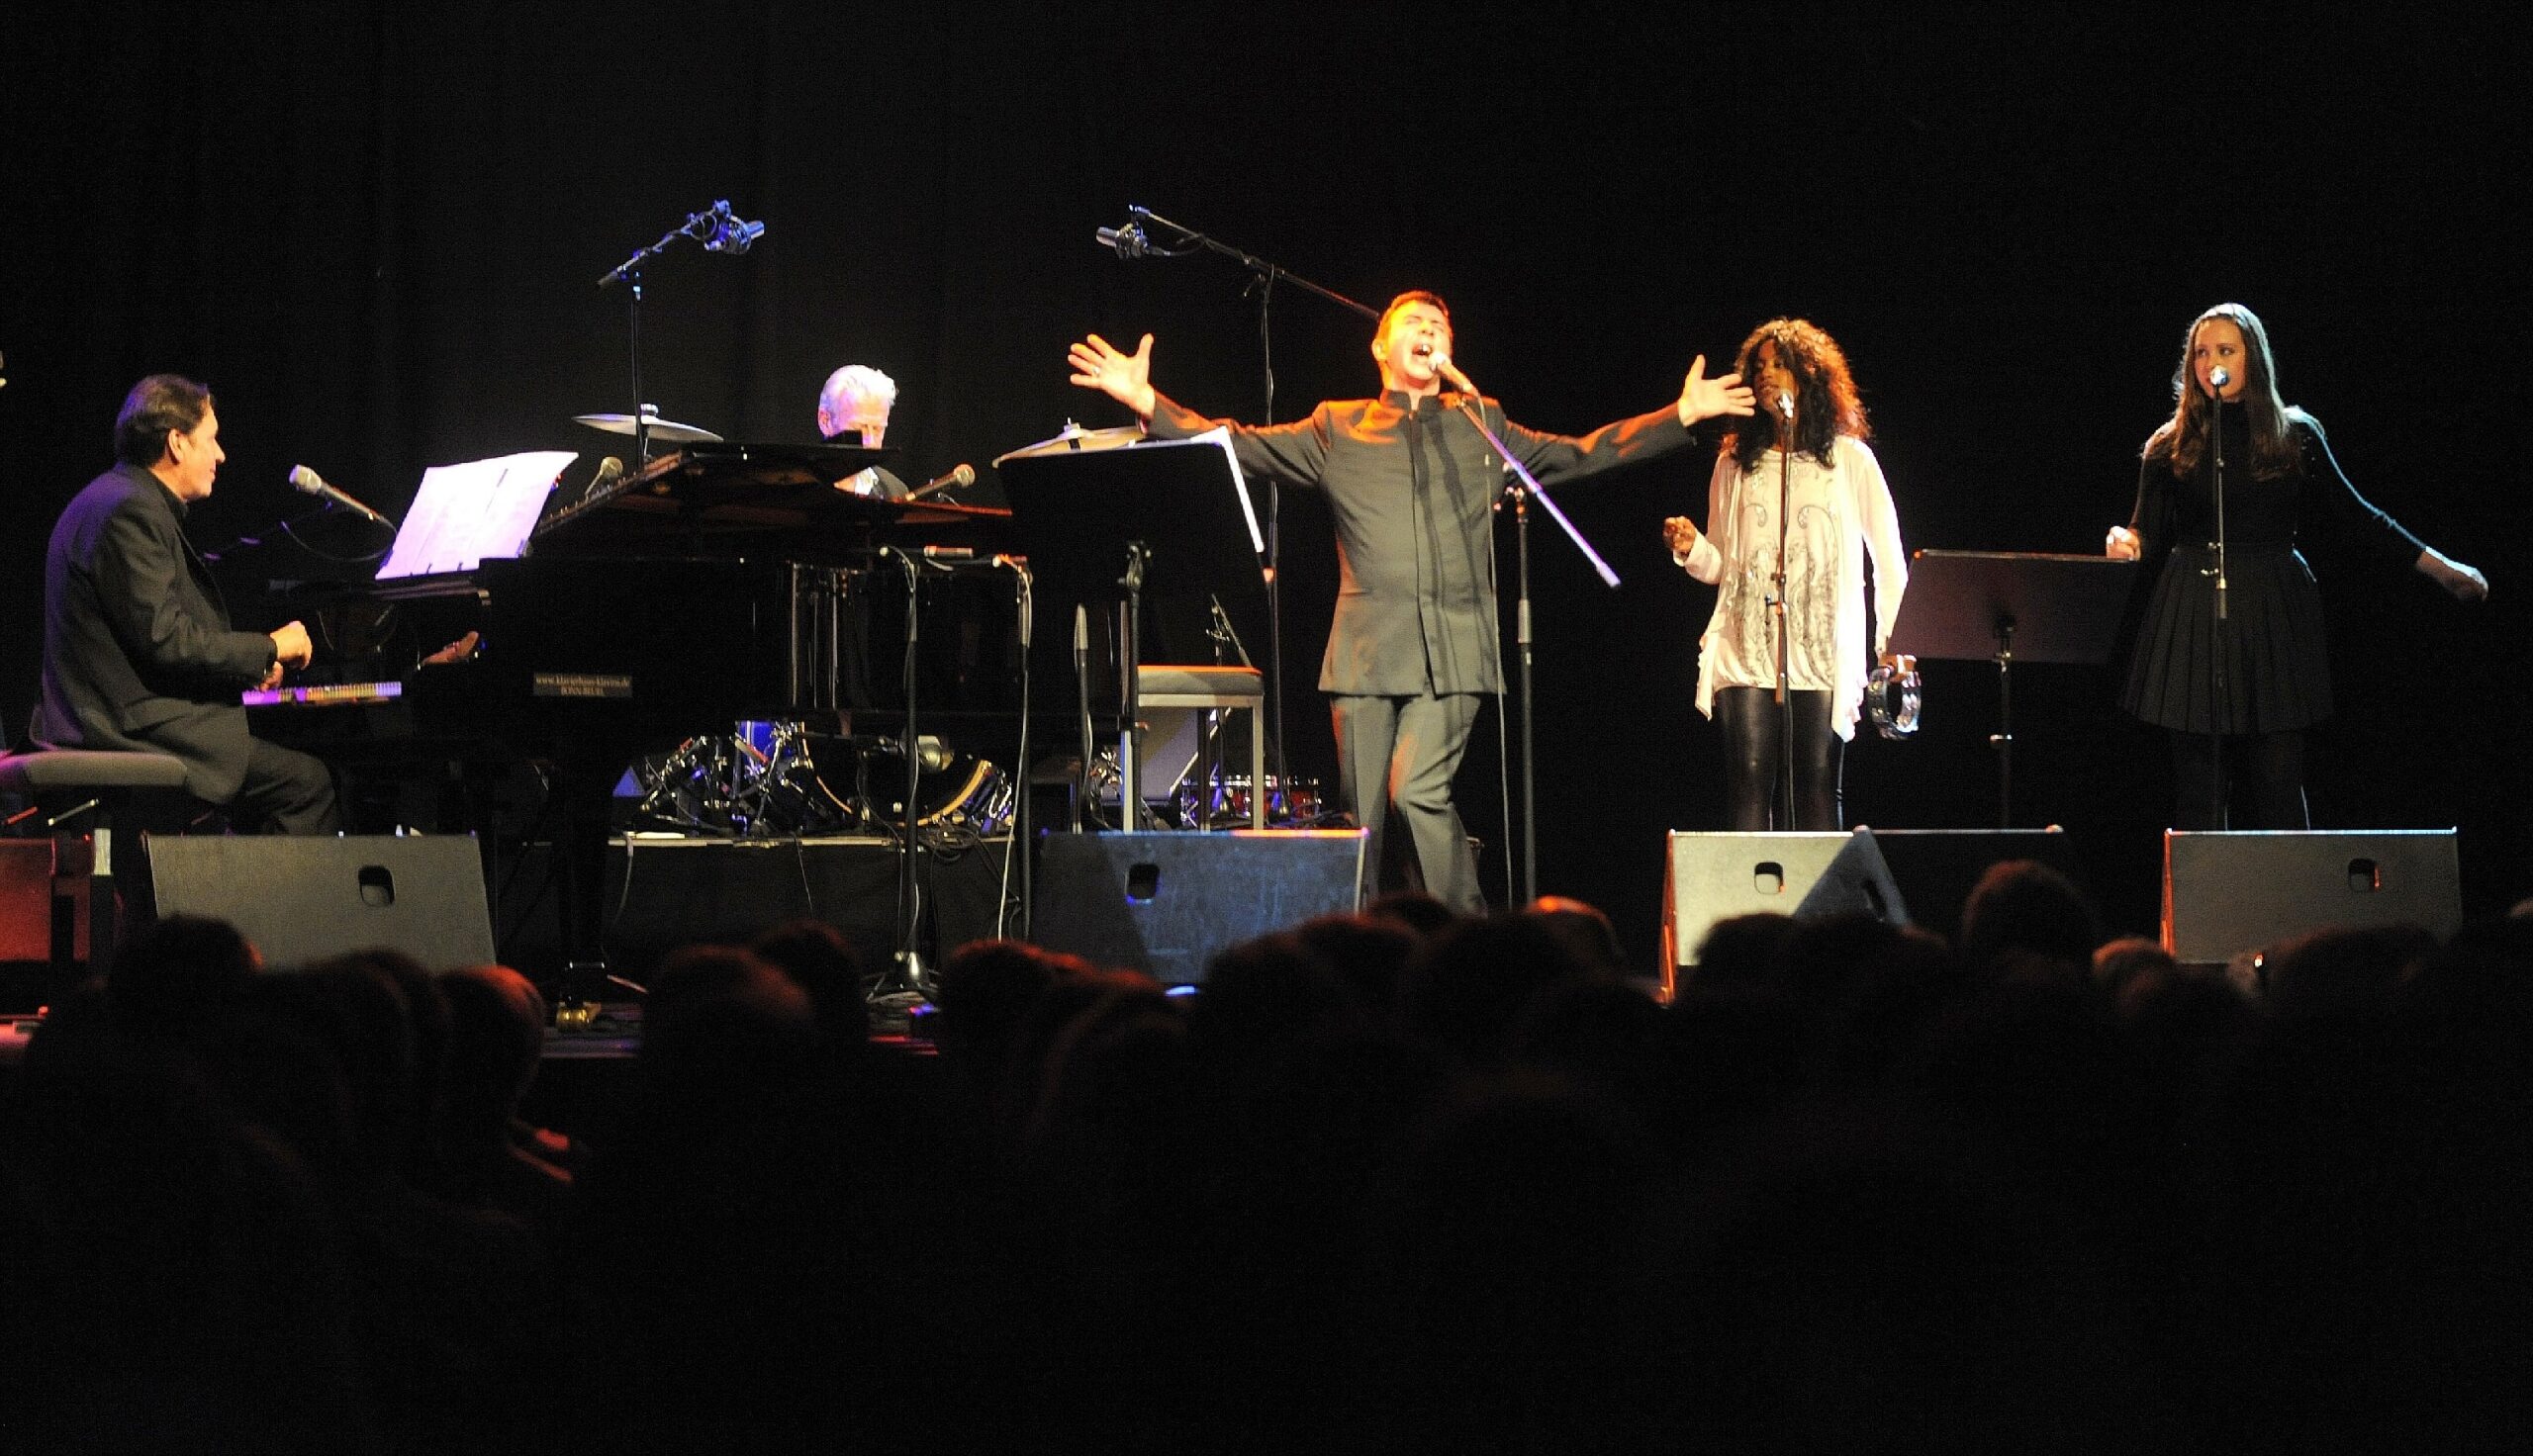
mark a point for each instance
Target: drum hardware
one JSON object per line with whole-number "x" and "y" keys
{"x": 1223, "y": 802}
{"x": 757, "y": 781}
{"x": 962, "y": 798}
{"x": 771, "y": 780}
{"x": 668, "y": 431}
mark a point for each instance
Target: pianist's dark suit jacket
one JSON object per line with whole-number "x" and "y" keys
{"x": 138, "y": 651}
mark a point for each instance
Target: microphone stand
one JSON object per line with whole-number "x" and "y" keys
{"x": 2221, "y": 720}
{"x": 1024, "y": 588}
{"x": 1081, "y": 694}
{"x": 1785, "y": 645}
{"x": 905, "y": 975}
{"x": 1130, "y": 657}
{"x": 702, "y": 228}
{"x": 1264, "y": 277}
{"x": 1526, "y": 488}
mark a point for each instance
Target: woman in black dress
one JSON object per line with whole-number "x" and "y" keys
{"x": 2245, "y": 665}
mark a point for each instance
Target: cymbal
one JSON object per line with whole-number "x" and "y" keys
{"x": 661, "y": 430}
{"x": 1075, "y": 439}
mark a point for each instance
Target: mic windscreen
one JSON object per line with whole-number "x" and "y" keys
{"x": 304, "y": 479}
{"x": 964, "y": 476}
{"x": 2219, "y": 377}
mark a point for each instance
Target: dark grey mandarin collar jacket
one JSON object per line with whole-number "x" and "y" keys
{"x": 138, "y": 651}
{"x": 1412, "y": 485}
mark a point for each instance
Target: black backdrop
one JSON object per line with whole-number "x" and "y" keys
{"x": 376, "y": 232}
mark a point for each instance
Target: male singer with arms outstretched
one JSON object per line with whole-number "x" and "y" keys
{"x": 138, "y": 652}
{"x": 1413, "y": 485}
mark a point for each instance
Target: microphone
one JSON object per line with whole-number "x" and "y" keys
{"x": 731, "y": 234}
{"x": 1224, "y": 632}
{"x": 610, "y": 471}
{"x": 1785, "y": 403}
{"x": 1128, "y": 241}
{"x": 2221, "y": 377}
{"x": 1451, "y": 373}
{"x": 315, "y": 484}
{"x": 962, "y": 475}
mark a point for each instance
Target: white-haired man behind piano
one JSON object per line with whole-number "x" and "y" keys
{"x": 853, "y": 409}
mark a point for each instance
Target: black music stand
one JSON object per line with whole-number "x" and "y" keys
{"x": 1160, "y": 521}
{"x": 2008, "y": 605}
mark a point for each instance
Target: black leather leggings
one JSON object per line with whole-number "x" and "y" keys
{"x": 2266, "y": 774}
{"x": 1752, "y": 726}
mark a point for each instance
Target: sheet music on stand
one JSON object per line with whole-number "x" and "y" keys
{"x": 468, "y": 512}
{"x": 2009, "y": 607}
{"x": 1075, "y": 507}
{"x": 1219, "y": 437}
{"x": 1081, "y": 504}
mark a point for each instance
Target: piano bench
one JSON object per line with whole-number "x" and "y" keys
{"x": 1161, "y": 688}
{"x": 69, "y": 783}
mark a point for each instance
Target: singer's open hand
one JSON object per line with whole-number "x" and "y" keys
{"x": 2465, "y": 581}
{"x": 1702, "y": 398}
{"x": 1125, "y": 378}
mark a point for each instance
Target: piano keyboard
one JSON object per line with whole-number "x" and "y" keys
{"x": 324, "y": 694}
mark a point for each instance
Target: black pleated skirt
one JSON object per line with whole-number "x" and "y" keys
{"x": 2263, "y": 670}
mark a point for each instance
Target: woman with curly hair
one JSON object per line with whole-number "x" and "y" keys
{"x": 1795, "y": 483}
{"x": 2237, "y": 658}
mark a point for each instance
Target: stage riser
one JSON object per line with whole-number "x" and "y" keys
{"x": 2228, "y": 893}
{"x": 668, "y": 894}
{"x": 25, "y": 901}
{"x": 1167, "y": 903}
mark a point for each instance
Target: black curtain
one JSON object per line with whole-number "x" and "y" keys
{"x": 376, "y": 233}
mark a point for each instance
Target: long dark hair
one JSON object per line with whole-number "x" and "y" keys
{"x": 1827, "y": 405}
{"x": 2183, "y": 439}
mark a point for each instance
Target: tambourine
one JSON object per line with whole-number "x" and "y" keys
{"x": 1894, "y": 698}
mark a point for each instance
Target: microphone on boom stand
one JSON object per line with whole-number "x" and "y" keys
{"x": 959, "y": 478}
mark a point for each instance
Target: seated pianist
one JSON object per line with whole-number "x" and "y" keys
{"x": 137, "y": 650}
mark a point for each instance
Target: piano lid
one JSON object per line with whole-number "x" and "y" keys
{"x": 726, "y": 486}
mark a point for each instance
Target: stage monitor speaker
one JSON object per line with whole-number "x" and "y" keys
{"x": 1715, "y": 876}
{"x": 302, "y": 898}
{"x": 1937, "y": 868}
{"x": 1165, "y": 903}
{"x": 2225, "y": 893}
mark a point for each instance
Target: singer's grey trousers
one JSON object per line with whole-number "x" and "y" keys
{"x": 1401, "y": 753}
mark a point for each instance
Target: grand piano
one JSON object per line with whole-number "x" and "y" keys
{"x": 723, "y": 582}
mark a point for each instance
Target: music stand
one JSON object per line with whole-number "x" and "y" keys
{"x": 1169, "y": 521}
{"x": 2005, "y": 606}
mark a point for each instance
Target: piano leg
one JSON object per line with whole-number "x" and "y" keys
{"x": 582, "y": 802}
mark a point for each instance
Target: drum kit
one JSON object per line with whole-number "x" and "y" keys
{"x": 780, "y": 780}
